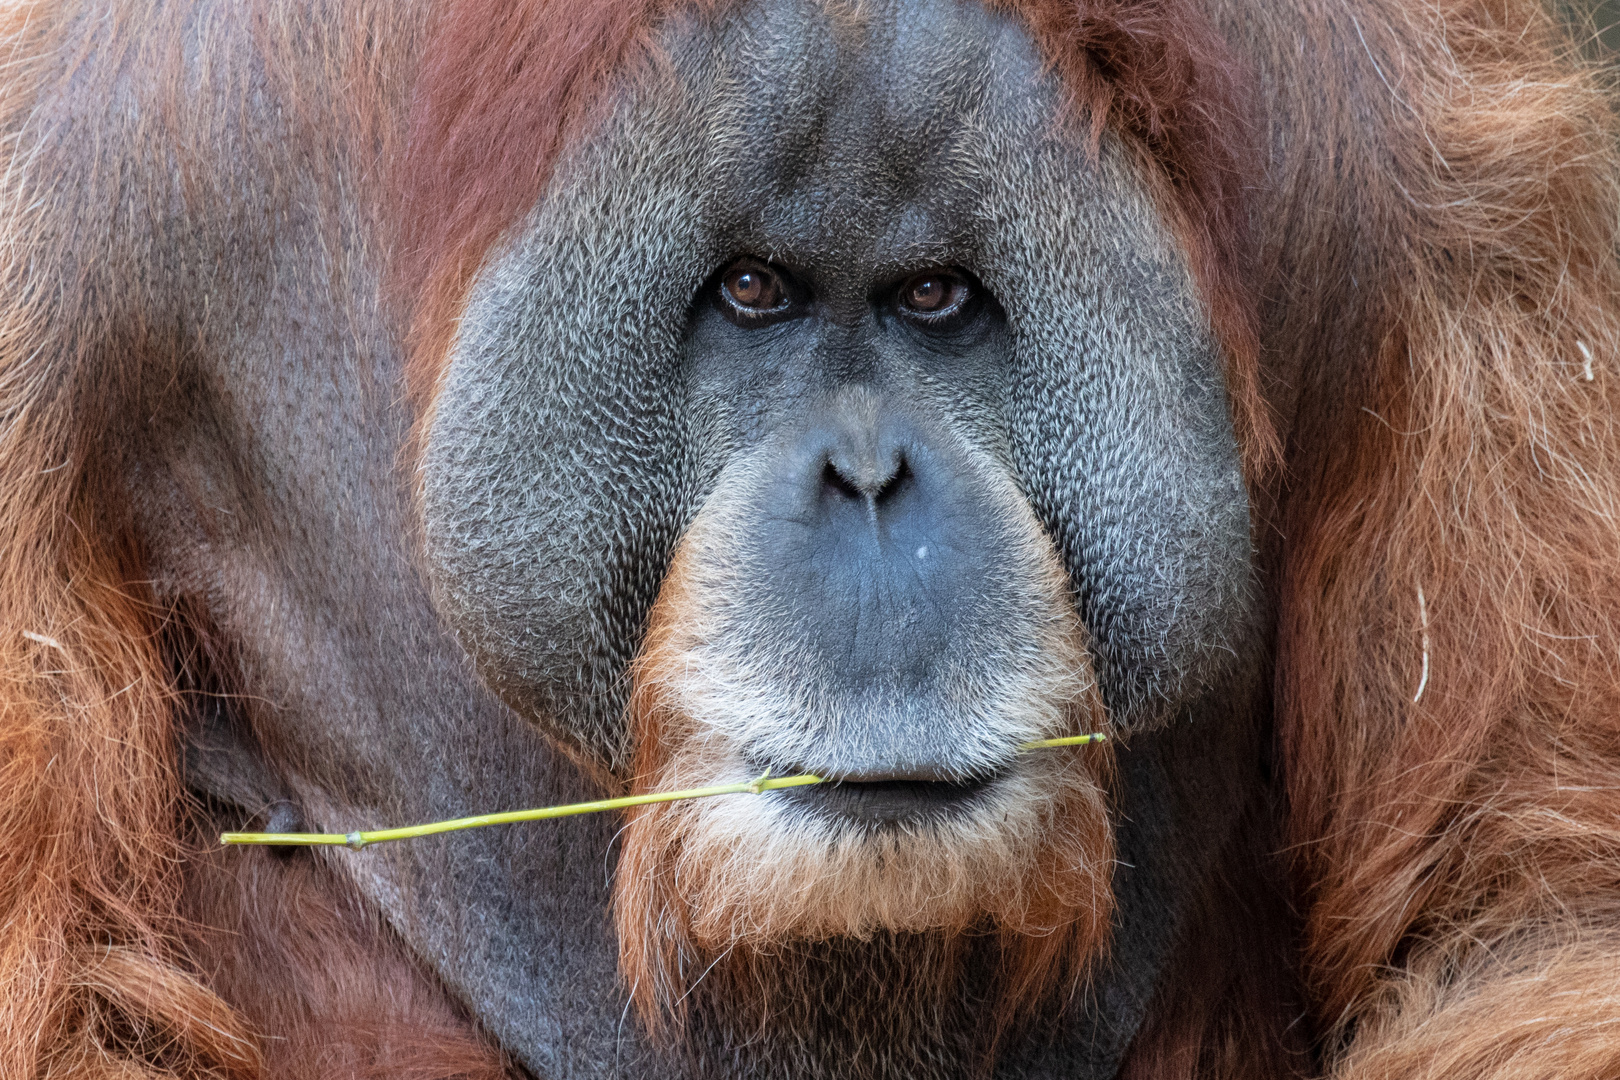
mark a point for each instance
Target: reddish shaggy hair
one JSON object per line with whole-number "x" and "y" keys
{"x": 91, "y": 977}
{"x": 300, "y": 955}
{"x": 1439, "y": 269}
{"x": 104, "y": 974}
{"x": 1448, "y": 670}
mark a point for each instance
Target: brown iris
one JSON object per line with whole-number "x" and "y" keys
{"x": 753, "y": 286}
{"x": 933, "y": 294}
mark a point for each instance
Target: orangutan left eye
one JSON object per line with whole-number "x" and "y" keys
{"x": 935, "y": 295}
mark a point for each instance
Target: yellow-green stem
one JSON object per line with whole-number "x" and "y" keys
{"x": 756, "y": 786}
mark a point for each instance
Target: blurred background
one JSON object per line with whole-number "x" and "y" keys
{"x": 1596, "y": 25}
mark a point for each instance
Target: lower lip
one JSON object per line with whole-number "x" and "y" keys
{"x": 889, "y": 802}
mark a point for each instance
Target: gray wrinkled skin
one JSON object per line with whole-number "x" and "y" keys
{"x": 568, "y": 452}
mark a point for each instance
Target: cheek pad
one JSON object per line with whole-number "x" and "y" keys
{"x": 554, "y": 478}
{"x": 558, "y": 472}
{"x": 1121, "y": 430}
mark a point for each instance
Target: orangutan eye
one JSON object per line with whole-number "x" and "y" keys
{"x": 934, "y": 295}
{"x": 752, "y": 289}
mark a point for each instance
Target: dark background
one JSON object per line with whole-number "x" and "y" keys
{"x": 1596, "y": 24}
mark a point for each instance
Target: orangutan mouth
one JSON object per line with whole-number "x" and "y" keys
{"x": 891, "y": 802}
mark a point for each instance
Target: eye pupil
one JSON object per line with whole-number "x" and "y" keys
{"x": 928, "y": 294}
{"x": 753, "y": 287}
{"x": 936, "y": 294}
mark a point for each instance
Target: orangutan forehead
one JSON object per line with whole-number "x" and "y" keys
{"x": 893, "y": 100}
{"x": 826, "y": 142}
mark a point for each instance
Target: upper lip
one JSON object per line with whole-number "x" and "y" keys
{"x": 831, "y": 773}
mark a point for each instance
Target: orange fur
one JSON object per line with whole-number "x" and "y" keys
{"x": 94, "y": 980}
{"x": 90, "y": 981}
{"x": 297, "y": 952}
{"x": 1458, "y": 855}
{"x": 1457, "y": 847}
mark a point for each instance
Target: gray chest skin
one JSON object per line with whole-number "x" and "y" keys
{"x": 584, "y": 420}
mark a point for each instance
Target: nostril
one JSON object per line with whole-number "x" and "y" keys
{"x": 831, "y": 477}
{"x": 897, "y": 480}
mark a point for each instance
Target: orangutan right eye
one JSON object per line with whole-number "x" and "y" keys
{"x": 752, "y": 290}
